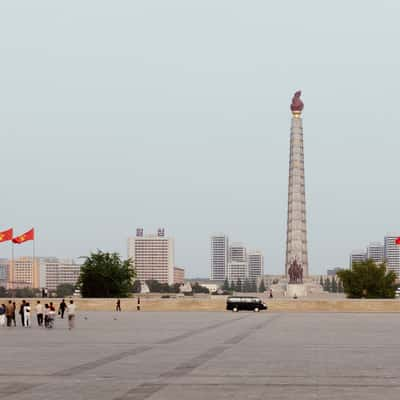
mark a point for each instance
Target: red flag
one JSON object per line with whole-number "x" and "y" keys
{"x": 30, "y": 235}
{"x": 6, "y": 235}
{"x": 398, "y": 240}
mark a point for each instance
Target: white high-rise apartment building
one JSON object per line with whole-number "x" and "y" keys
{"x": 392, "y": 254}
{"x": 237, "y": 252}
{"x": 153, "y": 256}
{"x": 237, "y": 270}
{"x": 219, "y": 257}
{"x": 357, "y": 256}
{"x": 376, "y": 252}
{"x": 255, "y": 260}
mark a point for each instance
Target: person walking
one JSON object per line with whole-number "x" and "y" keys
{"x": 9, "y": 313}
{"x": 51, "y": 316}
{"x": 46, "y": 315}
{"x": 2, "y": 315}
{"x": 71, "y": 314}
{"x": 118, "y": 306}
{"x": 21, "y": 312}
{"x": 62, "y": 308}
{"x": 14, "y": 321}
{"x": 39, "y": 313}
{"x": 27, "y": 315}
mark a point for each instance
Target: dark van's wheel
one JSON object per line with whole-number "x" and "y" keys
{"x": 235, "y": 309}
{"x": 256, "y": 309}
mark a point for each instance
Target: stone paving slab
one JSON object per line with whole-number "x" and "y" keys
{"x": 154, "y": 356}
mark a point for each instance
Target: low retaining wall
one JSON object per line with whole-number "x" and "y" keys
{"x": 217, "y": 303}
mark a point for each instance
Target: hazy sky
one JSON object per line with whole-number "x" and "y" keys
{"x": 123, "y": 114}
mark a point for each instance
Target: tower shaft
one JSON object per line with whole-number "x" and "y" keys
{"x": 296, "y": 232}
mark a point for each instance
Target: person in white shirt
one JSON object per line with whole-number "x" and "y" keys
{"x": 71, "y": 308}
{"x": 27, "y": 315}
{"x": 39, "y": 313}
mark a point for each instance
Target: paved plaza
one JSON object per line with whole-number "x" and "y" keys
{"x": 200, "y": 355}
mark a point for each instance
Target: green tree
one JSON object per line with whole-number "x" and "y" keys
{"x": 366, "y": 279}
{"x": 106, "y": 275}
{"x": 225, "y": 286}
{"x": 321, "y": 281}
{"x": 340, "y": 286}
{"x": 197, "y": 288}
{"x": 334, "y": 287}
{"x": 262, "y": 288}
{"x": 26, "y": 292}
{"x": 239, "y": 286}
{"x": 137, "y": 286}
{"x": 233, "y": 286}
{"x": 65, "y": 290}
{"x": 3, "y": 291}
{"x": 246, "y": 286}
{"x": 253, "y": 286}
{"x": 327, "y": 285}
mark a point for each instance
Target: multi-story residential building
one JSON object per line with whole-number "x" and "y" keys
{"x": 392, "y": 253}
{"x": 57, "y": 272}
{"x": 24, "y": 272}
{"x": 153, "y": 256}
{"x": 255, "y": 260}
{"x": 376, "y": 252}
{"x": 237, "y": 270}
{"x": 237, "y": 252}
{"x": 4, "y": 264}
{"x": 219, "y": 256}
{"x": 357, "y": 256}
{"x": 179, "y": 275}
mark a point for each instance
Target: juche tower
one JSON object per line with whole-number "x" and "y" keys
{"x": 296, "y": 232}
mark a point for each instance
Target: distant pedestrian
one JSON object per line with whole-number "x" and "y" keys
{"x": 118, "y": 306}
{"x": 21, "y": 312}
{"x": 138, "y": 304}
{"x": 62, "y": 308}
{"x": 9, "y": 313}
{"x": 27, "y": 315}
{"x": 39, "y": 313}
{"x": 14, "y": 321}
{"x": 71, "y": 314}
{"x": 270, "y": 294}
{"x": 2, "y": 315}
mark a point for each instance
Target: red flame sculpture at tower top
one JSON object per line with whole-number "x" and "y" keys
{"x": 297, "y": 105}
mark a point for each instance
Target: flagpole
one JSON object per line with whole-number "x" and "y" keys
{"x": 11, "y": 269}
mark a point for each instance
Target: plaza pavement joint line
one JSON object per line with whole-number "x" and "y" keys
{"x": 146, "y": 390}
{"x": 119, "y": 356}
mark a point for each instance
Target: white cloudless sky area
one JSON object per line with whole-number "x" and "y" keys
{"x": 123, "y": 114}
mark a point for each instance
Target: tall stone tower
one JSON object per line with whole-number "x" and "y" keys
{"x": 296, "y": 233}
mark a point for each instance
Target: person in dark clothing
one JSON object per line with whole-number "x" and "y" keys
{"x": 118, "y": 306}
{"x": 138, "y": 304}
{"x": 13, "y": 314}
{"x": 21, "y": 312}
{"x": 62, "y": 308}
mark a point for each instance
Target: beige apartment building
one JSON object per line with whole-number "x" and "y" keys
{"x": 24, "y": 272}
{"x": 153, "y": 256}
{"x": 179, "y": 275}
{"x": 57, "y": 272}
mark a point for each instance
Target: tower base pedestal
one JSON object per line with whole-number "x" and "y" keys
{"x": 296, "y": 290}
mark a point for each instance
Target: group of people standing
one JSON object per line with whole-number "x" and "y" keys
{"x": 45, "y": 315}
